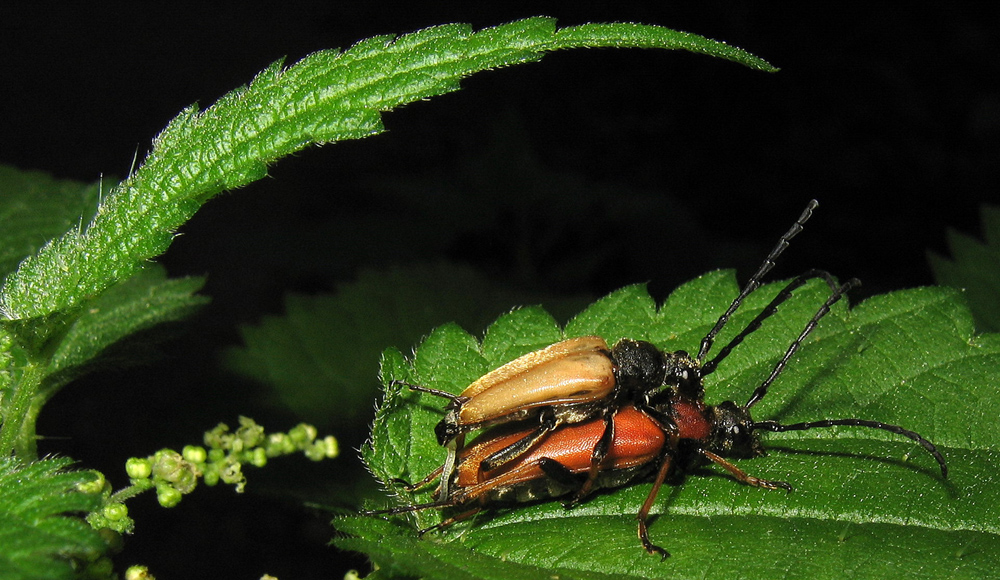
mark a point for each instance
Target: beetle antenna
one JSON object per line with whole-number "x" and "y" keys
{"x": 754, "y": 282}
{"x": 930, "y": 447}
{"x": 760, "y": 391}
{"x": 420, "y": 389}
{"x": 770, "y": 309}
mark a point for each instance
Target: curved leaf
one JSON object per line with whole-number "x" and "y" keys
{"x": 326, "y": 97}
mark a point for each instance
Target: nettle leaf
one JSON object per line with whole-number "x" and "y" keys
{"x": 40, "y": 537}
{"x": 35, "y": 207}
{"x": 326, "y": 97}
{"x": 975, "y": 267}
{"x": 143, "y": 301}
{"x": 866, "y": 503}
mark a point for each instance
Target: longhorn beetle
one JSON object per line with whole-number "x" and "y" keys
{"x": 670, "y": 431}
{"x": 610, "y": 416}
{"x": 581, "y": 378}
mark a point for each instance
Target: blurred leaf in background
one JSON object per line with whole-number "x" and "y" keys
{"x": 975, "y": 267}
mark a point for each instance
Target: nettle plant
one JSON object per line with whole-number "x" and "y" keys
{"x": 78, "y": 279}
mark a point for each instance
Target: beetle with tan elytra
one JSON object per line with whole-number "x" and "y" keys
{"x": 582, "y": 378}
{"x": 609, "y": 416}
{"x": 671, "y": 432}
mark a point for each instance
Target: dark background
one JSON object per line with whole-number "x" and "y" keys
{"x": 645, "y": 165}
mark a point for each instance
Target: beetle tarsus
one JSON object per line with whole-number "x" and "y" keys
{"x": 654, "y": 549}
{"x": 649, "y": 546}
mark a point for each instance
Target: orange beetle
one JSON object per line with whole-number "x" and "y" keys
{"x": 567, "y": 382}
{"x": 581, "y": 378}
{"x": 569, "y": 379}
{"x": 670, "y": 431}
{"x": 551, "y": 469}
{"x": 613, "y": 416}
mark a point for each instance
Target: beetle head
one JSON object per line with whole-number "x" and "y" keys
{"x": 733, "y": 433}
{"x": 684, "y": 372}
{"x": 447, "y": 428}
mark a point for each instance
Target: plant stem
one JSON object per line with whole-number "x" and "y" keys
{"x": 17, "y": 433}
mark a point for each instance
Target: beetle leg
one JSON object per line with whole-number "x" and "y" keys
{"x": 521, "y": 446}
{"x": 426, "y": 506}
{"x": 597, "y": 457}
{"x": 519, "y": 473}
{"x": 558, "y": 472}
{"x": 415, "y": 486}
{"x": 643, "y": 515}
{"x": 405, "y": 509}
{"x": 456, "y": 518}
{"x": 448, "y": 469}
{"x": 743, "y": 476}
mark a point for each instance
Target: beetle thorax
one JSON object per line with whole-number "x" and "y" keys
{"x": 640, "y": 367}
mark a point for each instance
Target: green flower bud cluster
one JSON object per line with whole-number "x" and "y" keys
{"x": 111, "y": 520}
{"x": 138, "y": 573}
{"x": 222, "y": 458}
{"x": 113, "y": 515}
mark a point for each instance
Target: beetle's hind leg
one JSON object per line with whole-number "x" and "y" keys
{"x": 521, "y": 446}
{"x": 598, "y": 455}
{"x": 411, "y": 487}
{"x": 405, "y": 509}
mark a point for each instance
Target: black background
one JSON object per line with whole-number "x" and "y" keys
{"x": 888, "y": 113}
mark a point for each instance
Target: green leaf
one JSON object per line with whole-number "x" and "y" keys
{"x": 326, "y": 97}
{"x": 44, "y": 354}
{"x": 866, "y": 503}
{"x": 34, "y": 208}
{"x": 39, "y": 537}
{"x": 145, "y": 300}
{"x": 975, "y": 267}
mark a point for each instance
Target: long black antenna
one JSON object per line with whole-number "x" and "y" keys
{"x": 754, "y": 282}
{"x": 768, "y": 310}
{"x": 777, "y": 427}
{"x": 760, "y": 391}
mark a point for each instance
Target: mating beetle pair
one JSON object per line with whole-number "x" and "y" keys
{"x": 580, "y": 415}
